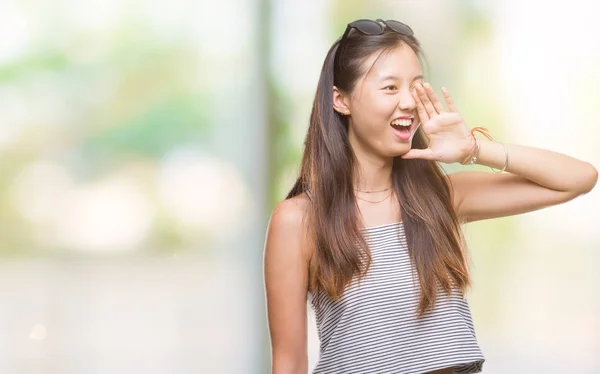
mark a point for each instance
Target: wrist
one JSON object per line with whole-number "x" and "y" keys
{"x": 492, "y": 154}
{"x": 471, "y": 152}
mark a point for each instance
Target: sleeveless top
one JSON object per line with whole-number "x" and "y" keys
{"x": 374, "y": 327}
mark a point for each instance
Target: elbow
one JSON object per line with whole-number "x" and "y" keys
{"x": 589, "y": 179}
{"x": 289, "y": 370}
{"x": 581, "y": 183}
{"x": 290, "y": 366}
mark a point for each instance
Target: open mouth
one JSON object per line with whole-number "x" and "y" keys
{"x": 402, "y": 127}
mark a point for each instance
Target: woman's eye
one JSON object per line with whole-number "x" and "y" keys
{"x": 390, "y": 88}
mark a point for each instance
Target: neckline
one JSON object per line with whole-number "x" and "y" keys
{"x": 399, "y": 223}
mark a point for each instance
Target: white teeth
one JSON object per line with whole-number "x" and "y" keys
{"x": 402, "y": 122}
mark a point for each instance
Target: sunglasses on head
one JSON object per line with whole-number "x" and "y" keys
{"x": 370, "y": 27}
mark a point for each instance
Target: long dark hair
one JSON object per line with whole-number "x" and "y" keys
{"x": 433, "y": 231}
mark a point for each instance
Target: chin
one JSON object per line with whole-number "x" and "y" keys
{"x": 398, "y": 151}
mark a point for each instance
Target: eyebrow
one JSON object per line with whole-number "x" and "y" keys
{"x": 394, "y": 77}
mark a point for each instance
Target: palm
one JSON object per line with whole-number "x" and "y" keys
{"x": 449, "y": 137}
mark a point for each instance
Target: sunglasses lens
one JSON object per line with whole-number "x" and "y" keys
{"x": 399, "y": 27}
{"x": 368, "y": 27}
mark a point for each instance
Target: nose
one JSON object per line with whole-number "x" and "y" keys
{"x": 406, "y": 103}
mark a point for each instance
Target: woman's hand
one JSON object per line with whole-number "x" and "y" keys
{"x": 450, "y": 139}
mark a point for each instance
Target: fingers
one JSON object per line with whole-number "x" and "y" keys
{"x": 425, "y": 154}
{"x": 423, "y": 116}
{"x": 449, "y": 101}
{"x": 439, "y": 108}
{"x": 429, "y": 108}
{"x": 428, "y": 105}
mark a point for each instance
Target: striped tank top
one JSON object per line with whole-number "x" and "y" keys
{"x": 374, "y": 328}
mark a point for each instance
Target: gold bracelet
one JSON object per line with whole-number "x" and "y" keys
{"x": 505, "y": 160}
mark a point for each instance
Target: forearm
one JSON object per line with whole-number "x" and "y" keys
{"x": 550, "y": 169}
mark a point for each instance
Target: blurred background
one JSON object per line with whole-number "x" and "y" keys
{"x": 143, "y": 145}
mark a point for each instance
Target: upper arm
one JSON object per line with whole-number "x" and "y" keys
{"x": 482, "y": 195}
{"x": 286, "y": 282}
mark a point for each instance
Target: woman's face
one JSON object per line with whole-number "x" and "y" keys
{"x": 383, "y": 115}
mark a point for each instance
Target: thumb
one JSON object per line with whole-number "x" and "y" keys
{"x": 425, "y": 154}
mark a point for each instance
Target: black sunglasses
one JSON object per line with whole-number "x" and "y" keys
{"x": 370, "y": 27}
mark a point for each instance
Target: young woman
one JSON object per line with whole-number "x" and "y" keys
{"x": 371, "y": 231}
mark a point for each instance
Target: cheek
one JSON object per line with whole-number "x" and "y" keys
{"x": 371, "y": 114}
{"x": 380, "y": 107}
{"x": 374, "y": 116}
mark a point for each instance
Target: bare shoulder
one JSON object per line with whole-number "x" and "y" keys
{"x": 288, "y": 223}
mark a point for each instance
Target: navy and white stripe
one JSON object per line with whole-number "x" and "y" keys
{"x": 374, "y": 328}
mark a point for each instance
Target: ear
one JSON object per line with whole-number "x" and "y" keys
{"x": 340, "y": 102}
